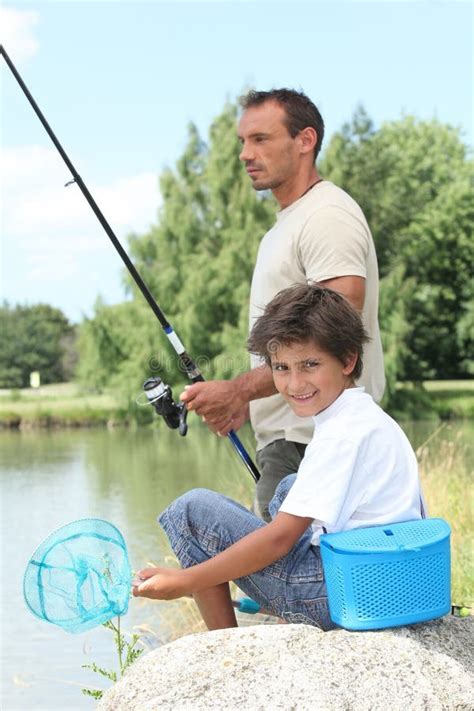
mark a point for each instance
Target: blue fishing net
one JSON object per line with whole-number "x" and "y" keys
{"x": 79, "y": 577}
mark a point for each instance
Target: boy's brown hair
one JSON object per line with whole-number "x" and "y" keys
{"x": 309, "y": 312}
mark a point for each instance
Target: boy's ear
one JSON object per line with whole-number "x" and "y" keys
{"x": 350, "y": 364}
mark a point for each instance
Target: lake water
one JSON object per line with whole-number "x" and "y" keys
{"x": 49, "y": 478}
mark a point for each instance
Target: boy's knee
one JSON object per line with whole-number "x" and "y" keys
{"x": 192, "y": 503}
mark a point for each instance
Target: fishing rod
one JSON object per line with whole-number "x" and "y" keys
{"x": 158, "y": 393}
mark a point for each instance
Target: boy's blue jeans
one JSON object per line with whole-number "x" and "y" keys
{"x": 202, "y": 523}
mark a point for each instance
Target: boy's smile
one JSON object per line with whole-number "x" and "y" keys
{"x": 309, "y": 378}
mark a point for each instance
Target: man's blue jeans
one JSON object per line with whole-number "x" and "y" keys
{"x": 203, "y": 523}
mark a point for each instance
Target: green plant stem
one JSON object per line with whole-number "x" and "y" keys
{"x": 119, "y": 646}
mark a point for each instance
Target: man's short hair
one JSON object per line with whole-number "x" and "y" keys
{"x": 300, "y": 111}
{"x": 308, "y": 312}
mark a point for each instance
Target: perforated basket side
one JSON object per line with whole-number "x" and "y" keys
{"x": 402, "y": 587}
{"x": 334, "y": 578}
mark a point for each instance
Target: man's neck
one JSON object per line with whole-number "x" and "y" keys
{"x": 287, "y": 194}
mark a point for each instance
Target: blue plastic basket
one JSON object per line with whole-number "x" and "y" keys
{"x": 386, "y": 576}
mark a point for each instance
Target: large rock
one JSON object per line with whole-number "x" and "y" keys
{"x": 297, "y": 667}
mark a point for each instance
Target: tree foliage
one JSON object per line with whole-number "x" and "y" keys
{"x": 413, "y": 180}
{"x": 33, "y": 338}
{"x": 204, "y": 246}
{"x": 197, "y": 261}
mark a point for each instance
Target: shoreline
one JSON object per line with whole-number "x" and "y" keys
{"x": 42, "y": 420}
{"x": 66, "y": 406}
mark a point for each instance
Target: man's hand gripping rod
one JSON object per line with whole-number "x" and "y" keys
{"x": 186, "y": 361}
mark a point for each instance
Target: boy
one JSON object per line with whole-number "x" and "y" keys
{"x": 358, "y": 470}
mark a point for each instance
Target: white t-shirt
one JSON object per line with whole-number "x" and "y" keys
{"x": 358, "y": 470}
{"x": 323, "y": 235}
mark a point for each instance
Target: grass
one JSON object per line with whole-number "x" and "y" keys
{"x": 446, "y": 479}
{"x": 62, "y": 404}
{"x": 56, "y": 397}
{"x": 435, "y": 400}
{"x": 459, "y": 386}
{"x": 452, "y": 399}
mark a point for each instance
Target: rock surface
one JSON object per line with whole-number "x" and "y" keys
{"x": 297, "y": 667}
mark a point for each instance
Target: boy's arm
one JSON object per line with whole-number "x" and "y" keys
{"x": 252, "y": 553}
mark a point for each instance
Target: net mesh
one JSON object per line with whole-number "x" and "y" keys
{"x": 80, "y": 576}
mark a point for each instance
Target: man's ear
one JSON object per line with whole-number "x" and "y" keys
{"x": 350, "y": 364}
{"x": 308, "y": 138}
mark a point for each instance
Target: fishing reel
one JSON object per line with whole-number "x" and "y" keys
{"x": 160, "y": 396}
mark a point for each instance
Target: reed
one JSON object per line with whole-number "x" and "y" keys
{"x": 446, "y": 480}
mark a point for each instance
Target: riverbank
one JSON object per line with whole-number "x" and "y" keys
{"x": 59, "y": 405}
{"x": 67, "y": 405}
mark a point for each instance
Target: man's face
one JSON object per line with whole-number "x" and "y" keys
{"x": 270, "y": 154}
{"x": 309, "y": 378}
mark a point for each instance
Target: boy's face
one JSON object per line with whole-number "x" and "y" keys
{"x": 309, "y": 378}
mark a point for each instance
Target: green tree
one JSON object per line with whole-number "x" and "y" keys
{"x": 395, "y": 291}
{"x": 35, "y": 337}
{"x": 394, "y": 173}
{"x": 199, "y": 258}
{"x": 197, "y": 262}
{"x": 116, "y": 346}
{"x": 439, "y": 256}
{"x": 413, "y": 179}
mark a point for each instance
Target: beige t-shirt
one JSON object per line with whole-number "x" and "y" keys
{"x": 323, "y": 235}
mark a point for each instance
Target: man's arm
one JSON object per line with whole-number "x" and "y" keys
{"x": 352, "y": 287}
{"x": 223, "y": 404}
{"x": 252, "y": 553}
{"x": 333, "y": 249}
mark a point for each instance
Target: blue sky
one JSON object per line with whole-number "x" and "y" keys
{"x": 120, "y": 81}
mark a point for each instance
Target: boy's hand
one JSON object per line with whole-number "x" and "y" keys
{"x": 159, "y": 584}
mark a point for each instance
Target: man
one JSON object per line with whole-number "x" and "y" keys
{"x": 320, "y": 235}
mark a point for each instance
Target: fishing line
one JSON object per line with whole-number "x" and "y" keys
{"x": 192, "y": 370}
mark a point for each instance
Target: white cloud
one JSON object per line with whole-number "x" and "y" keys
{"x": 17, "y": 32}
{"x": 50, "y": 228}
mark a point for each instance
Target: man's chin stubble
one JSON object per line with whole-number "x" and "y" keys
{"x": 262, "y": 185}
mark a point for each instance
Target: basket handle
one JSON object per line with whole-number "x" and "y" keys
{"x": 400, "y": 547}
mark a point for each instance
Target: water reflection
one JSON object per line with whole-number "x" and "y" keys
{"x": 52, "y": 477}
